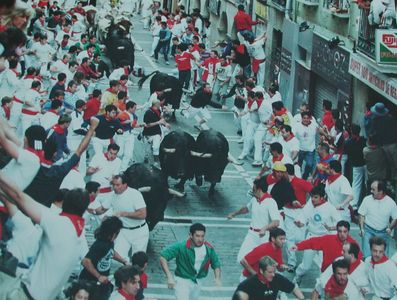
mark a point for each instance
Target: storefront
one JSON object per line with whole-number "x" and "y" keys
{"x": 331, "y": 79}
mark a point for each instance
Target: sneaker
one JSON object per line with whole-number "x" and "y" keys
{"x": 241, "y": 157}
{"x": 240, "y": 141}
{"x": 167, "y": 62}
{"x": 256, "y": 163}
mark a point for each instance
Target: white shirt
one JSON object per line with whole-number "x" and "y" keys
{"x": 74, "y": 180}
{"x": 276, "y": 97}
{"x": 130, "y": 200}
{"x": 383, "y": 277}
{"x": 289, "y": 146}
{"x": 200, "y": 253}
{"x": 45, "y": 279}
{"x": 306, "y": 136}
{"x": 49, "y": 119}
{"x": 338, "y": 191}
{"x": 43, "y": 52}
{"x": 75, "y": 124}
{"x": 263, "y": 213}
{"x": 108, "y": 168}
{"x": 9, "y": 83}
{"x": 378, "y": 212}
{"x": 34, "y": 98}
{"x": 255, "y": 50}
{"x": 116, "y": 74}
{"x": 285, "y": 160}
{"x": 60, "y": 67}
{"x": 223, "y": 72}
{"x": 265, "y": 111}
{"x": 315, "y": 217}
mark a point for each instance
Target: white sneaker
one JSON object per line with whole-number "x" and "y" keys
{"x": 241, "y": 157}
{"x": 256, "y": 163}
{"x": 167, "y": 62}
{"x": 240, "y": 141}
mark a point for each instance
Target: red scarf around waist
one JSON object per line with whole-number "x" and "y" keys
{"x": 77, "y": 221}
{"x": 334, "y": 289}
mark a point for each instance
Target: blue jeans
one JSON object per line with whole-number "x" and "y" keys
{"x": 370, "y": 232}
{"x": 247, "y": 33}
{"x": 308, "y": 158}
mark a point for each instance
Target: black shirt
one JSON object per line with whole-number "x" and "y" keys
{"x": 354, "y": 150}
{"x": 151, "y": 117}
{"x": 56, "y": 87}
{"x": 106, "y": 128}
{"x": 47, "y": 181}
{"x": 283, "y": 193}
{"x": 100, "y": 254}
{"x": 257, "y": 290}
{"x": 202, "y": 99}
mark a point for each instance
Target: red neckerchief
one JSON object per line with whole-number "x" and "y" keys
{"x": 126, "y": 71}
{"x": 325, "y": 158}
{"x": 250, "y": 102}
{"x": 125, "y": 295}
{"x": 264, "y": 197}
{"x": 90, "y": 55}
{"x": 156, "y": 111}
{"x": 259, "y": 101}
{"x": 281, "y": 112}
{"x": 332, "y": 178}
{"x": 29, "y": 77}
{"x": 16, "y": 72}
{"x": 289, "y": 138}
{"x": 7, "y": 111}
{"x": 263, "y": 280}
{"x": 354, "y": 265}
{"x": 144, "y": 280}
{"x": 382, "y": 260}
{"x": 53, "y": 111}
{"x": 111, "y": 90}
{"x": 58, "y": 129}
{"x": 334, "y": 289}
{"x": 279, "y": 158}
{"x": 320, "y": 203}
{"x": 64, "y": 43}
{"x": 240, "y": 49}
{"x": 106, "y": 154}
{"x": 77, "y": 221}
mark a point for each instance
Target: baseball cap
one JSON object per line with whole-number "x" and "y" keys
{"x": 279, "y": 166}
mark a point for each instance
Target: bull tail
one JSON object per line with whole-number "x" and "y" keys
{"x": 143, "y": 79}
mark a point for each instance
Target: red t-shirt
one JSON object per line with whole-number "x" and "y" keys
{"x": 329, "y": 244}
{"x": 301, "y": 188}
{"x": 328, "y": 120}
{"x": 92, "y": 108}
{"x": 183, "y": 61}
{"x": 265, "y": 249}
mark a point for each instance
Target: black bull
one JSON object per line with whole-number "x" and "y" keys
{"x": 153, "y": 185}
{"x": 119, "y": 48}
{"x": 160, "y": 82}
{"x": 183, "y": 158}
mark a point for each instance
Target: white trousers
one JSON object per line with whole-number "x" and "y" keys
{"x": 308, "y": 257}
{"x": 73, "y": 143}
{"x": 126, "y": 141}
{"x": 134, "y": 239}
{"x": 258, "y": 141}
{"x": 99, "y": 145}
{"x": 251, "y": 240}
{"x": 186, "y": 289}
{"x": 154, "y": 141}
{"x": 294, "y": 234}
{"x": 29, "y": 120}
{"x": 260, "y": 76}
{"x": 359, "y": 178}
{"x": 154, "y": 44}
{"x": 249, "y": 137}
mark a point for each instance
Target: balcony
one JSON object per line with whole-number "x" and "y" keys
{"x": 366, "y": 35}
{"x": 309, "y": 2}
{"x": 338, "y": 8}
{"x": 279, "y": 4}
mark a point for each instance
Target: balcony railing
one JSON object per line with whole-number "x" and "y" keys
{"x": 279, "y": 4}
{"x": 339, "y": 8}
{"x": 366, "y": 35}
{"x": 309, "y": 2}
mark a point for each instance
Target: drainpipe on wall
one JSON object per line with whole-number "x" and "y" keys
{"x": 288, "y": 9}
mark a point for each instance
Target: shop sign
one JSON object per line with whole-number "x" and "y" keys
{"x": 376, "y": 80}
{"x": 261, "y": 11}
{"x": 331, "y": 64}
{"x": 214, "y": 6}
{"x": 386, "y": 46}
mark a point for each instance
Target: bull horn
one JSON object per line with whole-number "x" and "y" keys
{"x": 199, "y": 154}
{"x": 175, "y": 193}
{"x": 145, "y": 189}
{"x": 169, "y": 150}
{"x": 167, "y": 90}
{"x": 233, "y": 161}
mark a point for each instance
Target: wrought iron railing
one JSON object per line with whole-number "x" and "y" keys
{"x": 366, "y": 35}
